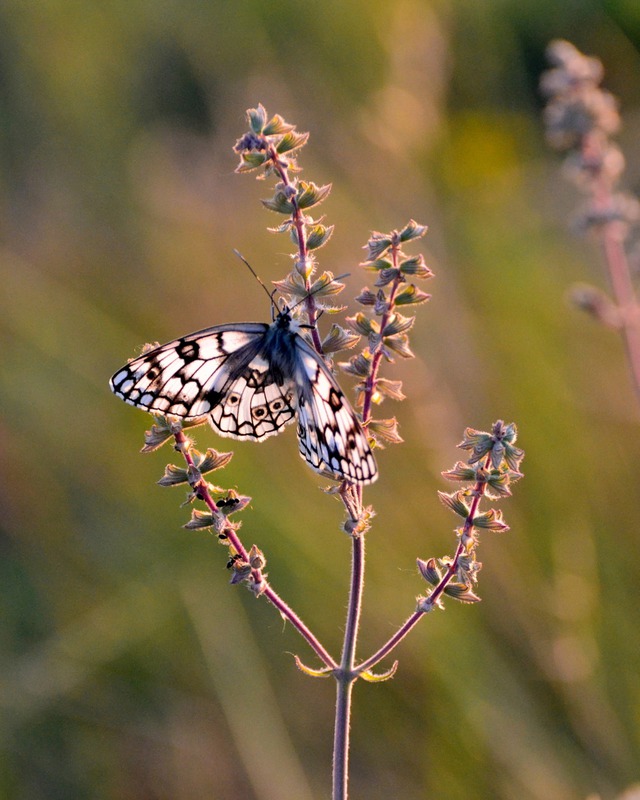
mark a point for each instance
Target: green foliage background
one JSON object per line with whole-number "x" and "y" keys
{"x": 129, "y": 668}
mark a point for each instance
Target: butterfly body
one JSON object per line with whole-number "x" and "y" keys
{"x": 251, "y": 380}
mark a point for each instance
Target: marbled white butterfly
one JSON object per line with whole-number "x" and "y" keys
{"x": 251, "y": 379}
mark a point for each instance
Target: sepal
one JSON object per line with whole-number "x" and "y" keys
{"x": 412, "y": 230}
{"x": 386, "y": 276}
{"x": 173, "y": 476}
{"x": 211, "y": 460}
{"x": 378, "y": 264}
{"x": 385, "y": 429}
{"x": 399, "y": 344}
{"x": 415, "y": 267}
{"x": 310, "y": 194}
{"x": 257, "y": 118}
{"x": 338, "y": 339}
{"x": 359, "y": 365}
{"x": 326, "y": 285}
{"x": 324, "y": 672}
{"x": 398, "y": 324}
{"x": 251, "y": 160}
{"x": 455, "y": 503}
{"x": 411, "y": 296}
{"x": 200, "y": 520}
{"x": 491, "y": 520}
{"x": 292, "y": 140}
{"x": 461, "y": 592}
{"x": 429, "y": 571}
{"x": 366, "y": 297}
{"x": 378, "y": 244}
{"x": 372, "y": 677}
{"x": 318, "y": 235}
{"x": 390, "y": 389}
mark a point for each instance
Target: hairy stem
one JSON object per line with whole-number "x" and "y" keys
{"x": 345, "y": 675}
{"x": 478, "y": 493}
{"x": 202, "y": 490}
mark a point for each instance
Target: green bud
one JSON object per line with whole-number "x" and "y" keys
{"x": 251, "y": 160}
{"x": 399, "y": 344}
{"x": 366, "y": 297}
{"x": 339, "y": 339}
{"x": 378, "y": 244}
{"x": 386, "y": 429}
{"x": 362, "y": 325}
{"x": 200, "y": 519}
{"x": 429, "y": 571}
{"x": 491, "y": 520}
{"x": 390, "y": 389}
{"x": 461, "y": 592}
{"x": 386, "y": 276}
{"x": 257, "y": 118}
{"x": 325, "y": 286}
{"x": 280, "y": 203}
{"x": 378, "y": 264}
{"x": 460, "y": 472}
{"x": 211, "y": 460}
{"x": 173, "y": 476}
{"x": 318, "y": 236}
{"x": 397, "y": 324}
{"x": 455, "y": 503}
{"x": 277, "y": 126}
{"x": 309, "y": 194}
{"x": 291, "y": 141}
{"x": 415, "y": 266}
{"x": 411, "y": 295}
{"x": 412, "y": 231}
{"x": 359, "y": 365}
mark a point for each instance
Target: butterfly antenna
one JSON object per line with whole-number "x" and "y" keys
{"x": 255, "y": 275}
{"x": 310, "y": 294}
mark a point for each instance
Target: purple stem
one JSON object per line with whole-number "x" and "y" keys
{"x": 345, "y": 675}
{"x": 202, "y": 490}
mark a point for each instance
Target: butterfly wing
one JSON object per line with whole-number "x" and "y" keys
{"x": 218, "y": 372}
{"x": 330, "y": 435}
{"x": 250, "y": 379}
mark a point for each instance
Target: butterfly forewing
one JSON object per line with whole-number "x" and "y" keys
{"x": 187, "y": 377}
{"x": 251, "y": 379}
{"x": 330, "y": 435}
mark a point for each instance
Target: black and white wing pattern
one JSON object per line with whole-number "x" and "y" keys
{"x": 330, "y": 436}
{"x": 250, "y": 380}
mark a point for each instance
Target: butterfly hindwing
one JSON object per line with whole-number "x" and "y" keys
{"x": 254, "y": 404}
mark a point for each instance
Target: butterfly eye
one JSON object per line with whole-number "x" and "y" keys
{"x": 233, "y": 399}
{"x": 259, "y": 412}
{"x": 276, "y": 405}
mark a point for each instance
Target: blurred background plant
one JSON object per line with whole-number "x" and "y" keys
{"x": 581, "y": 118}
{"x": 123, "y": 650}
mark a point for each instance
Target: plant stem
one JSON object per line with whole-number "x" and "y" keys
{"x": 613, "y": 235}
{"x": 345, "y": 675}
{"x": 269, "y": 593}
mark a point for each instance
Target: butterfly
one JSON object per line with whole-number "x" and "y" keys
{"x": 251, "y": 379}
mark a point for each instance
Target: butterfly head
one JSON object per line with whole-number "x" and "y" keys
{"x": 286, "y": 321}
